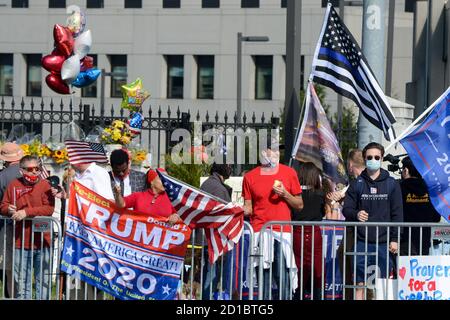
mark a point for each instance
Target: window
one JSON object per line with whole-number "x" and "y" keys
{"x": 175, "y": 75}
{"x": 205, "y": 77}
{"x": 56, "y": 3}
{"x": 284, "y": 3}
{"x": 34, "y": 75}
{"x": 118, "y": 65}
{"x": 92, "y": 4}
{"x": 91, "y": 91}
{"x": 249, "y": 3}
{"x": 167, "y": 4}
{"x": 19, "y": 4}
{"x": 133, "y": 4}
{"x": 263, "y": 77}
{"x": 334, "y": 3}
{"x": 6, "y": 74}
{"x": 210, "y": 3}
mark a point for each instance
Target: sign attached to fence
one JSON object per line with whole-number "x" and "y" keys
{"x": 124, "y": 253}
{"x": 424, "y": 278}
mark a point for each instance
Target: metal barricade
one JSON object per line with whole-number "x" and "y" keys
{"x": 229, "y": 278}
{"x": 332, "y": 260}
{"x": 30, "y": 258}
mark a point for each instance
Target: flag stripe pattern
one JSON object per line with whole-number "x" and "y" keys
{"x": 340, "y": 65}
{"x": 224, "y": 222}
{"x": 44, "y": 173}
{"x": 85, "y": 152}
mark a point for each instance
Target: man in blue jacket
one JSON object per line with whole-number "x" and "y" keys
{"x": 373, "y": 197}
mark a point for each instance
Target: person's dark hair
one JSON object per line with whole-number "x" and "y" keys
{"x": 223, "y": 169}
{"x": 309, "y": 175}
{"x": 118, "y": 157}
{"x": 407, "y": 163}
{"x": 373, "y": 145}
{"x": 27, "y": 159}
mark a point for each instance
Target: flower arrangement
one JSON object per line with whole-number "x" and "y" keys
{"x": 36, "y": 148}
{"x": 138, "y": 156}
{"x": 117, "y": 133}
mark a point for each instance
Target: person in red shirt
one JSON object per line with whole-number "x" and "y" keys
{"x": 29, "y": 197}
{"x": 269, "y": 192}
{"x": 153, "y": 201}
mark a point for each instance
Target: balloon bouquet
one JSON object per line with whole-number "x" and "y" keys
{"x": 68, "y": 63}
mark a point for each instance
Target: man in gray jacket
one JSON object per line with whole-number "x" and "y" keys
{"x": 10, "y": 154}
{"x": 211, "y": 273}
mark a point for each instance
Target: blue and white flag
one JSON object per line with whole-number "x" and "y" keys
{"x": 428, "y": 146}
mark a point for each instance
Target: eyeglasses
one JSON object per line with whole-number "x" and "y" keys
{"x": 370, "y": 157}
{"x": 32, "y": 169}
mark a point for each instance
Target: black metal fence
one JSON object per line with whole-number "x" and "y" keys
{"x": 50, "y": 118}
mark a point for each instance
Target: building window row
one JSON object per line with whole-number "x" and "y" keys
{"x": 205, "y": 72}
{"x": 136, "y": 4}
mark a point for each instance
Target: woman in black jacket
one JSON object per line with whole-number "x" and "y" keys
{"x": 313, "y": 210}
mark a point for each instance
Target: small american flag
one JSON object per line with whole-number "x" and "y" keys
{"x": 224, "y": 221}
{"x": 85, "y": 152}
{"x": 44, "y": 172}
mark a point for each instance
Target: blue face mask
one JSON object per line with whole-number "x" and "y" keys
{"x": 268, "y": 163}
{"x": 373, "y": 165}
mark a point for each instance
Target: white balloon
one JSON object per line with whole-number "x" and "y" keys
{"x": 83, "y": 44}
{"x": 70, "y": 69}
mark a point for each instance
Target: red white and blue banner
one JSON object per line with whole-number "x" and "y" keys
{"x": 122, "y": 252}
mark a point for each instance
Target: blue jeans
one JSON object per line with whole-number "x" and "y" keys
{"x": 23, "y": 275}
{"x": 212, "y": 273}
{"x": 383, "y": 256}
{"x": 279, "y": 278}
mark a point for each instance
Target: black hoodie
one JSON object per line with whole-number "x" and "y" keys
{"x": 380, "y": 198}
{"x": 417, "y": 208}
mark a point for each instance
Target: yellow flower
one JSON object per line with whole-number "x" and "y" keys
{"x": 125, "y": 140}
{"x": 116, "y": 135}
{"x": 118, "y": 124}
{"x": 26, "y": 149}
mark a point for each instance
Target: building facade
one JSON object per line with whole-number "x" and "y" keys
{"x": 184, "y": 50}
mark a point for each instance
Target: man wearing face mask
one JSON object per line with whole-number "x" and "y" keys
{"x": 28, "y": 197}
{"x": 373, "y": 197}
{"x": 270, "y": 191}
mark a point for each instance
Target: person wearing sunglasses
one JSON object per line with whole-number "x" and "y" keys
{"x": 374, "y": 197}
{"x": 28, "y": 197}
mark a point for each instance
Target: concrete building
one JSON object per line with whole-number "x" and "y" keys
{"x": 431, "y": 68}
{"x": 185, "y": 55}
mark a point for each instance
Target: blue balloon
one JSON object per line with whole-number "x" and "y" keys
{"x": 86, "y": 78}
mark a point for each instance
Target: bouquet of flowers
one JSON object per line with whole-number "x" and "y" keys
{"x": 117, "y": 133}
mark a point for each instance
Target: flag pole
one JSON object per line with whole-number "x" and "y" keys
{"x": 428, "y": 110}
{"x": 300, "y": 120}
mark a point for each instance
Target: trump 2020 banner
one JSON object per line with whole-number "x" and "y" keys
{"x": 127, "y": 254}
{"x": 428, "y": 145}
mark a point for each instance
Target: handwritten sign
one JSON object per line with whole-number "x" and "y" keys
{"x": 424, "y": 278}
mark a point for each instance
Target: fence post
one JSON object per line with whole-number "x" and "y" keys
{"x": 86, "y": 122}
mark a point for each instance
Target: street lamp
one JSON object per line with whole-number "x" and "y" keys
{"x": 102, "y": 89}
{"x": 241, "y": 38}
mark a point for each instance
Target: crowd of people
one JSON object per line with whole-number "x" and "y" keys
{"x": 292, "y": 256}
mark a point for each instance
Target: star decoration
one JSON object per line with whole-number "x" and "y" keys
{"x": 69, "y": 250}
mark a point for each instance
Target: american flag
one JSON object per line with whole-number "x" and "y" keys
{"x": 85, "y": 152}
{"x": 223, "y": 222}
{"x": 44, "y": 172}
{"x": 340, "y": 65}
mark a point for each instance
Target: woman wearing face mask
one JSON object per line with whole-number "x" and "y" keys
{"x": 153, "y": 201}
{"x": 375, "y": 197}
